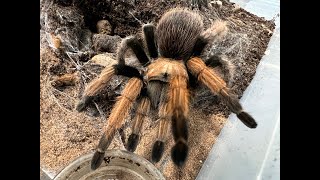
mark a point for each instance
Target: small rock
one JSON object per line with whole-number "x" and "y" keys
{"x": 55, "y": 40}
{"x": 66, "y": 80}
{"x": 93, "y": 112}
{"x": 103, "y": 60}
{"x": 216, "y": 3}
{"x": 104, "y": 27}
{"x": 236, "y": 7}
{"x": 105, "y": 43}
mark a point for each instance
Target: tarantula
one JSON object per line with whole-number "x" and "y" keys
{"x": 173, "y": 62}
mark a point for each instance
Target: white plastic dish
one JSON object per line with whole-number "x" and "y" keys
{"x": 117, "y": 164}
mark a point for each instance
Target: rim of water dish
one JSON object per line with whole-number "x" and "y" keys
{"x": 122, "y": 163}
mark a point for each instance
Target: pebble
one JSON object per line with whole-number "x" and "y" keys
{"x": 104, "y": 27}
{"x": 236, "y": 7}
{"x": 103, "y": 60}
{"x": 56, "y": 41}
{"x": 216, "y": 3}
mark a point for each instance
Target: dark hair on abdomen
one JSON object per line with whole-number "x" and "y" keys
{"x": 177, "y": 32}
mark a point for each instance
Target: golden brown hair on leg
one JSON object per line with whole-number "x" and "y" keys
{"x": 178, "y": 108}
{"x": 218, "y": 86}
{"x": 221, "y": 61}
{"x": 116, "y": 118}
{"x": 96, "y": 86}
{"x": 174, "y": 107}
{"x": 158, "y": 146}
{"x": 140, "y": 114}
{"x": 102, "y": 80}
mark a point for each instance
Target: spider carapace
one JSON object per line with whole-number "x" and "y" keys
{"x": 169, "y": 60}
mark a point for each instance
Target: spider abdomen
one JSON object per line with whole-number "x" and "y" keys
{"x": 177, "y": 32}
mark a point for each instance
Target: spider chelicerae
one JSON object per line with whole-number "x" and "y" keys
{"x": 170, "y": 68}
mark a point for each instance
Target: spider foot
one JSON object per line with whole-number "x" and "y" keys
{"x": 179, "y": 153}
{"x": 97, "y": 160}
{"x": 132, "y": 142}
{"x": 83, "y": 103}
{"x": 157, "y": 151}
{"x": 247, "y": 119}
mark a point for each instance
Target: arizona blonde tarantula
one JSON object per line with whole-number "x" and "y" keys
{"x": 173, "y": 62}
